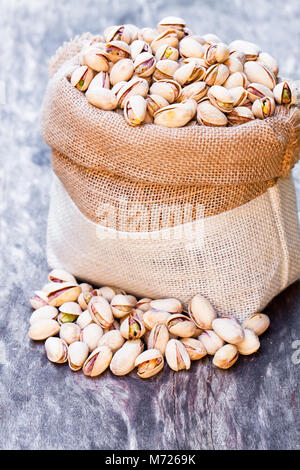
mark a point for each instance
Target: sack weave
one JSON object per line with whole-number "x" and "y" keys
{"x": 230, "y": 186}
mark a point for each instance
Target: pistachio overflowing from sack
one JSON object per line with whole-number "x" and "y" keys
{"x": 107, "y": 328}
{"x": 169, "y": 76}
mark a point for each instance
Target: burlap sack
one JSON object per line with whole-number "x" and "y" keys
{"x": 171, "y": 212}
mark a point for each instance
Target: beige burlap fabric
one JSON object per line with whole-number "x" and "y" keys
{"x": 152, "y": 180}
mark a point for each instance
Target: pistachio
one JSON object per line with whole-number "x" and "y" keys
{"x": 82, "y": 77}
{"x": 97, "y": 362}
{"x": 69, "y": 312}
{"x": 149, "y": 363}
{"x": 158, "y": 338}
{"x": 113, "y": 339}
{"x": 216, "y": 53}
{"x": 169, "y": 37}
{"x": 211, "y": 38}
{"x": 107, "y": 292}
{"x": 86, "y": 288}
{"x": 69, "y": 332}
{"x": 56, "y": 350}
{"x": 201, "y": 312}
{"x": 165, "y": 69}
{"x": 144, "y": 64}
{"x": 58, "y": 293}
{"x": 137, "y": 47}
{"x": 176, "y": 115}
{"x": 257, "y": 90}
{"x": 195, "y": 91}
{"x": 172, "y": 22}
{"x": 77, "y": 354}
{"x": 121, "y": 305}
{"x": 209, "y": 115}
{"x": 269, "y": 61}
{"x": 216, "y": 74}
{"x": 194, "y": 347}
{"x": 263, "y": 108}
{"x": 123, "y": 360}
{"x": 118, "y": 33}
{"x": 180, "y": 325}
{"x": 250, "y": 343}
{"x": 249, "y": 49}
{"x": 84, "y": 298}
{"x": 240, "y": 115}
{"x": 168, "y": 305}
{"x": 236, "y": 79}
{"x": 102, "y": 98}
{"x": 166, "y": 52}
{"x": 42, "y": 329}
{"x": 189, "y": 73}
{"x": 43, "y": 312}
{"x": 135, "y": 108}
{"x": 228, "y": 329}
{"x": 148, "y": 35}
{"x": 239, "y": 56}
{"x": 154, "y": 103}
{"x": 259, "y": 323}
{"x": 168, "y": 89}
{"x": 38, "y": 300}
{"x": 60, "y": 275}
{"x": 151, "y": 317}
{"x": 177, "y": 356}
{"x": 226, "y": 356}
{"x": 121, "y": 71}
{"x": 221, "y": 98}
{"x": 189, "y": 47}
{"x": 259, "y": 73}
{"x": 284, "y": 93}
{"x": 134, "y": 31}
{"x": 97, "y": 59}
{"x": 234, "y": 65}
{"x": 84, "y": 319}
{"x": 91, "y": 335}
{"x": 117, "y": 50}
{"x": 240, "y": 95}
{"x": 132, "y": 327}
{"x": 211, "y": 341}
{"x": 135, "y": 86}
{"x": 144, "y": 303}
{"x": 101, "y": 311}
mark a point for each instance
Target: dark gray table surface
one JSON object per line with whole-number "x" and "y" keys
{"x": 255, "y": 405}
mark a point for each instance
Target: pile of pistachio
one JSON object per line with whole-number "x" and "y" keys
{"x": 93, "y": 329}
{"x": 173, "y": 77}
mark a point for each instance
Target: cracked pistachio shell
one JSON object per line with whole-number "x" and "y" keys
{"x": 134, "y": 31}
{"x": 137, "y": 47}
{"x": 269, "y": 61}
{"x": 154, "y": 103}
{"x": 96, "y": 58}
{"x": 263, "y": 108}
{"x": 117, "y": 50}
{"x": 220, "y": 97}
{"x": 211, "y": 341}
{"x": 113, "y": 339}
{"x": 115, "y": 326}
{"x": 121, "y": 305}
{"x": 194, "y": 347}
{"x": 209, "y": 115}
{"x": 169, "y": 37}
{"x": 69, "y": 311}
{"x": 132, "y": 327}
{"x": 135, "y": 86}
{"x": 240, "y": 115}
{"x": 86, "y": 288}
{"x": 234, "y": 65}
{"x": 166, "y": 52}
{"x": 236, "y": 79}
{"x": 170, "y": 90}
{"x": 123, "y": 361}
{"x": 168, "y": 305}
{"x": 239, "y": 56}
{"x": 181, "y": 325}
{"x": 144, "y": 304}
{"x": 69, "y": 332}
{"x": 172, "y": 22}
{"x": 151, "y": 317}
{"x": 43, "y": 312}
{"x": 165, "y": 69}
{"x": 91, "y": 335}
{"x": 149, "y": 363}
{"x": 259, "y": 73}
{"x": 60, "y": 275}
{"x": 228, "y": 329}
{"x": 201, "y": 312}
{"x": 257, "y": 90}
{"x": 211, "y": 38}
{"x": 249, "y": 49}
{"x": 259, "y": 323}
{"x": 102, "y": 98}
{"x": 176, "y": 114}
{"x": 135, "y": 108}
{"x": 148, "y": 34}
{"x": 101, "y": 80}
{"x": 101, "y": 312}
{"x": 118, "y": 33}
{"x": 226, "y": 356}
{"x": 38, "y": 300}
{"x": 189, "y": 73}
{"x": 56, "y": 350}
{"x": 108, "y": 292}
{"x": 240, "y": 95}
{"x": 158, "y": 337}
{"x": 190, "y": 47}
{"x": 82, "y": 77}
{"x": 284, "y": 93}
{"x": 144, "y": 64}
{"x": 177, "y": 356}
{"x": 250, "y": 343}
{"x": 77, "y": 354}
{"x": 59, "y": 293}
{"x": 195, "y": 91}
{"x": 216, "y": 53}
{"x": 42, "y": 329}
{"x": 84, "y": 319}
{"x": 84, "y": 298}
{"x": 216, "y": 74}
{"x": 97, "y": 362}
